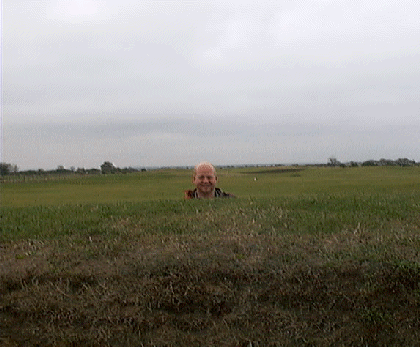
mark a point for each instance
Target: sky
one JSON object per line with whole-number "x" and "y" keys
{"x": 172, "y": 83}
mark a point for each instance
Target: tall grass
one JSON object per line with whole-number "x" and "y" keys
{"x": 315, "y": 257}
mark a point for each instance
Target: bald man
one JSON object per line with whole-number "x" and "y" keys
{"x": 205, "y": 179}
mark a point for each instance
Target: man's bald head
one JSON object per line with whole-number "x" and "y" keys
{"x": 205, "y": 179}
{"x": 204, "y": 165}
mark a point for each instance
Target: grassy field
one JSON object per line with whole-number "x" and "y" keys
{"x": 302, "y": 257}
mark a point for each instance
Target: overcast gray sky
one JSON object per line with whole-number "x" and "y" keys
{"x": 157, "y": 83}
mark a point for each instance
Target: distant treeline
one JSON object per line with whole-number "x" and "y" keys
{"x": 372, "y": 162}
{"x": 109, "y": 168}
{"x": 106, "y": 168}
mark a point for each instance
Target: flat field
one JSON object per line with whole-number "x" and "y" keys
{"x": 302, "y": 256}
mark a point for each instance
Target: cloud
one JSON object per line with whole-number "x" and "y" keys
{"x": 240, "y": 77}
{"x": 75, "y": 11}
{"x": 185, "y": 142}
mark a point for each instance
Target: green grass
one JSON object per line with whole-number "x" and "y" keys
{"x": 314, "y": 200}
{"x": 315, "y": 257}
{"x": 154, "y": 185}
{"x": 170, "y": 184}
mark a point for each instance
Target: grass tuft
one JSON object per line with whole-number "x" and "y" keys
{"x": 330, "y": 258}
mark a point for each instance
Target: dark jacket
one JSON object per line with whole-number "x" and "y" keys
{"x": 218, "y": 193}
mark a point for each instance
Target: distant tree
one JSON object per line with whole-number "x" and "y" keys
{"x": 405, "y": 162}
{"x": 108, "y": 167}
{"x": 128, "y": 170}
{"x": 5, "y": 169}
{"x": 386, "y": 162}
{"x": 353, "y": 164}
{"x": 333, "y": 162}
{"x": 61, "y": 170}
{"x": 93, "y": 171}
{"x": 370, "y": 162}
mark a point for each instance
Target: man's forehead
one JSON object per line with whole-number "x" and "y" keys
{"x": 205, "y": 169}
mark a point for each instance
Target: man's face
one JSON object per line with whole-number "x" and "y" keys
{"x": 205, "y": 180}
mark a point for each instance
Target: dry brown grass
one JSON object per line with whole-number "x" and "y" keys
{"x": 224, "y": 289}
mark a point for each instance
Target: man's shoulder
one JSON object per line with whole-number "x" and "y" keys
{"x": 189, "y": 194}
{"x": 218, "y": 193}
